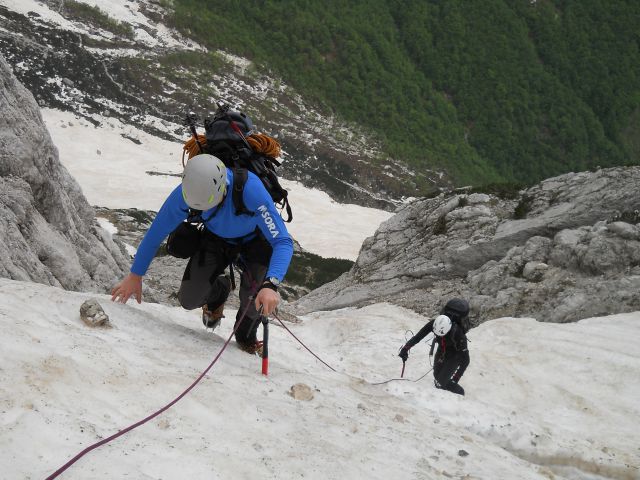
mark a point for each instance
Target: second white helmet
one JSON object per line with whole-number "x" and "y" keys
{"x": 441, "y": 325}
{"x": 204, "y": 182}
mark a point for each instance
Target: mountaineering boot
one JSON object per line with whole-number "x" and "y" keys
{"x": 455, "y": 388}
{"x": 213, "y": 310}
{"x": 252, "y": 348}
{"x": 451, "y": 386}
{"x": 212, "y": 318}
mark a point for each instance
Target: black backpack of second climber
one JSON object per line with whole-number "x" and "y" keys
{"x": 457, "y": 310}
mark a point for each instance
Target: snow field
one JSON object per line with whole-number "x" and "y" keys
{"x": 113, "y": 172}
{"x": 74, "y": 385}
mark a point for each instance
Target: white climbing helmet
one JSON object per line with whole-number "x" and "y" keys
{"x": 441, "y": 325}
{"x": 204, "y": 182}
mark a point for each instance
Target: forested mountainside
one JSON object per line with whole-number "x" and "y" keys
{"x": 372, "y": 101}
{"x": 489, "y": 91}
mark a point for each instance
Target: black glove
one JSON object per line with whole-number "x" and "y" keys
{"x": 404, "y": 353}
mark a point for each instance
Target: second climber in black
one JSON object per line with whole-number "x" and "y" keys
{"x": 452, "y": 356}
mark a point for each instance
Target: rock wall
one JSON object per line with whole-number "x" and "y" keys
{"x": 565, "y": 249}
{"x": 48, "y": 231}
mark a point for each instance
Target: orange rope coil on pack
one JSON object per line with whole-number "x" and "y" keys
{"x": 259, "y": 142}
{"x": 191, "y": 147}
{"x": 264, "y": 144}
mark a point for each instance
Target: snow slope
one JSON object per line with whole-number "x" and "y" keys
{"x": 543, "y": 400}
{"x": 113, "y": 171}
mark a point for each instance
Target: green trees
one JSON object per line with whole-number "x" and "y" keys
{"x": 592, "y": 48}
{"x": 489, "y": 90}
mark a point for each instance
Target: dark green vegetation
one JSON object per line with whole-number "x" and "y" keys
{"x": 504, "y": 190}
{"x": 627, "y": 216}
{"x": 183, "y": 68}
{"x": 95, "y": 16}
{"x": 440, "y": 226}
{"x": 311, "y": 271}
{"x": 523, "y": 207}
{"x": 493, "y": 90}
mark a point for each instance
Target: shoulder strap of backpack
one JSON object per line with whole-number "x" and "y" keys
{"x": 286, "y": 205}
{"x": 194, "y": 216}
{"x": 264, "y": 167}
{"x": 240, "y": 177}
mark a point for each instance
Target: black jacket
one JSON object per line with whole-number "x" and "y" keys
{"x": 454, "y": 341}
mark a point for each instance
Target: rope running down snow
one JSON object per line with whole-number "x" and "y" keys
{"x": 301, "y": 343}
{"x": 333, "y": 369}
{"x": 184, "y": 393}
{"x": 156, "y": 413}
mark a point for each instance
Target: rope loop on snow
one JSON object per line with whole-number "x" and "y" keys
{"x": 402, "y": 379}
{"x": 333, "y": 369}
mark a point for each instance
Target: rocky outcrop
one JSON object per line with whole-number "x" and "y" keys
{"x": 565, "y": 249}
{"x": 48, "y": 230}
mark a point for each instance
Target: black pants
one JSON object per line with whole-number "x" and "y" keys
{"x": 448, "y": 368}
{"x": 203, "y": 283}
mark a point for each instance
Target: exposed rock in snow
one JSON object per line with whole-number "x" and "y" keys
{"x": 92, "y": 314}
{"x": 568, "y": 248}
{"x": 300, "y": 391}
{"x": 49, "y": 231}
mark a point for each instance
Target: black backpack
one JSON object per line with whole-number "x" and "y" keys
{"x": 226, "y": 138}
{"x": 457, "y": 310}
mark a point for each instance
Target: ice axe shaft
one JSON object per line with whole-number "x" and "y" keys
{"x": 190, "y": 121}
{"x": 265, "y": 345}
{"x": 402, "y": 372}
{"x": 433, "y": 346}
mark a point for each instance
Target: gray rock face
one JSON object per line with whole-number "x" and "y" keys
{"x": 567, "y": 248}
{"x": 48, "y": 230}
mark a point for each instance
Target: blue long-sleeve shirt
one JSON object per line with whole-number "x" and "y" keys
{"x": 225, "y": 224}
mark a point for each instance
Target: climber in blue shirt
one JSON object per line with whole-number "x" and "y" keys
{"x": 257, "y": 241}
